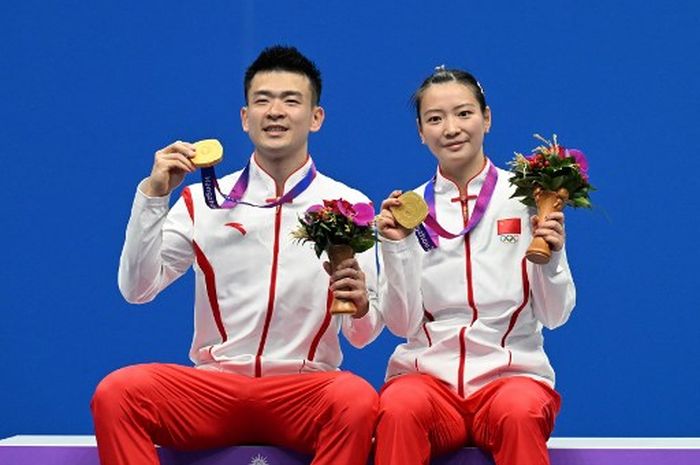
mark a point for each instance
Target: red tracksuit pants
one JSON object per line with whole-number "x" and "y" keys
{"x": 420, "y": 417}
{"x": 330, "y": 415}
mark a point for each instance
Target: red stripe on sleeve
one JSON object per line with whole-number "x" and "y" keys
{"x": 210, "y": 281}
{"x": 323, "y": 328}
{"x": 187, "y": 197}
{"x": 526, "y": 297}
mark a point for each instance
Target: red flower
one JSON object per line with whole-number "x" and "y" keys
{"x": 361, "y": 214}
{"x": 345, "y": 208}
{"x": 331, "y": 205}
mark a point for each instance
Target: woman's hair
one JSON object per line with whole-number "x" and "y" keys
{"x": 442, "y": 75}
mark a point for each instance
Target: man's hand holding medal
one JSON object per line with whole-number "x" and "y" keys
{"x": 173, "y": 162}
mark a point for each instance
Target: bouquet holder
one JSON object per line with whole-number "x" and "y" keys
{"x": 336, "y": 254}
{"x": 547, "y": 202}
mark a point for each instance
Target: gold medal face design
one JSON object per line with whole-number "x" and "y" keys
{"x": 412, "y": 211}
{"x": 209, "y": 152}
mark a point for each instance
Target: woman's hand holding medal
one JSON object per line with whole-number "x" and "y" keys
{"x": 400, "y": 214}
{"x": 173, "y": 162}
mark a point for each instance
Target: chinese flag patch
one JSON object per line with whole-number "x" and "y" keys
{"x": 509, "y": 226}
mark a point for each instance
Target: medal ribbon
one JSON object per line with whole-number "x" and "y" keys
{"x": 430, "y": 229}
{"x": 211, "y": 187}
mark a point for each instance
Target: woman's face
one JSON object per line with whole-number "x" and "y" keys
{"x": 452, "y": 125}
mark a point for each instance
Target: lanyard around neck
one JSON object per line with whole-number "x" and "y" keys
{"x": 211, "y": 187}
{"x": 429, "y": 231}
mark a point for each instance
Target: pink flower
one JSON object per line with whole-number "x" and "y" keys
{"x": 364, "y": 214}
{"x": 314, "y": 208}
{"x": 580, "y": 161}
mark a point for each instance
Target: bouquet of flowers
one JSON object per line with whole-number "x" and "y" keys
{"x": 549, "y": 178}
{"x": 341, "y": 229}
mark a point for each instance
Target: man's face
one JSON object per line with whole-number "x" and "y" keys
{"x": 280, "y": 114}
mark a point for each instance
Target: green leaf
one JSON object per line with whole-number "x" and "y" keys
{"x": 582, "y": 202}
{"x": 360, "y": 244}
{"x": 522, "y": 191}
{"x": 557, "y": 182}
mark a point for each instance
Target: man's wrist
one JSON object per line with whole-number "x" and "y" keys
{"x": 149, "y": 191}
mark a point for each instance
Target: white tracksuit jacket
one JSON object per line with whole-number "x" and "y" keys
{"x": 260, "y": 298}
{"x": 472, "y": 310}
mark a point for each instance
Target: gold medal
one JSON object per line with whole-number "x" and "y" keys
{"x": 209, "y": 152}
{"x": 412, "y": 210}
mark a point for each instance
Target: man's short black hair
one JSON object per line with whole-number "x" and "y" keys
{"x": 283, "y": 58}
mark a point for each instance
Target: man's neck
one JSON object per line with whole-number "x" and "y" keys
{"x": 280, "y": 167}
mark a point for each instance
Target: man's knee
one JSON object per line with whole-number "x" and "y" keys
{"x": 119, "y": 388}
{"x": 354, "y": 399}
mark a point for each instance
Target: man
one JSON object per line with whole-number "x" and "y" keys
{"x": 265, "y": 348}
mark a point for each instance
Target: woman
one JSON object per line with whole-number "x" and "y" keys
{"x": 473, "y": 370}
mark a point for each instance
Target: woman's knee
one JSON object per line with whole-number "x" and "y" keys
{"x": 405, "y": 398}
{"x": 525, "y": 403}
